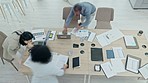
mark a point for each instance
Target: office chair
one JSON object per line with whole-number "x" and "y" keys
{"x": 2, "y": 38}
{"x": 103, "y": 17}
{"x": 74, "y": 21}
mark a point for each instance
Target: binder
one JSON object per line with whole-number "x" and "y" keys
{"x": 96, "y": 54}
{"x": 110, "y": 54}
{"x": 136, "y": 46}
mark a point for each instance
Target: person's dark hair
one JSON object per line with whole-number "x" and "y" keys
{"x": 25, "y": 36}
{"x": 40, "y": 54}
{"x": 77, "y": 7}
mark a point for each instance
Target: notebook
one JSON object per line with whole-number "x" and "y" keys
{"x": 75, "y": 62}
{"x": 96, "y": 54}
{"x": 110, "y": 54}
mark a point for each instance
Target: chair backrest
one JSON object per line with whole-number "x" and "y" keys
{"x": 2, "y": 38}
{"x": 105, "y": 14}
{"x": 74, "y": 21}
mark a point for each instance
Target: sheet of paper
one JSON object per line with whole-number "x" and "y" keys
{"x": 133, "y": 64}
{"x": 103, "y": 40}
{"x": 74, "y": 31}
{"x": 61, "y": 59}
{"x": 118, "y": 52}
{"x": 108, "y": 70}
{"x": 117, "y": 65}
{"x": 110, "y": 36}
{"x": 144, "y": 71}
{"x": 129, "y": 40}
{"x": 91, "y": 36}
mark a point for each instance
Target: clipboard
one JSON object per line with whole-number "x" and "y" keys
{"x": 132, "y": 63}
{"x": 132, "y": 47}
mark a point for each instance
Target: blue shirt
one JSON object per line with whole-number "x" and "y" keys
{"x": 87, "y": 10}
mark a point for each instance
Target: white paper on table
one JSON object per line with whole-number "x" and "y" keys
{"x": 91, "y": 36}
{"x": 117, "y": 65}
{"x": 132, "y": 64}
{"x": 108, "y": 70}
{"x": 82, "y": 33}
{"x": 110, "y": 36}
{"x": 118, "y": 52}
{"x": 129, "y": 40}
{"x": 103, "y": 40}
{"x": 144, "y": 71}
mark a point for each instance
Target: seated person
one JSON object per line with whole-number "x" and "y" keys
{"x": 44, "y": 65}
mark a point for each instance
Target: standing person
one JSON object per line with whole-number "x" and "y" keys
{"x": 12, "y": 45}
{"x": 87, "y": 12}
{"x": 44, "y": 65}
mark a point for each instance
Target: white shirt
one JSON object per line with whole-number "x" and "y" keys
{"x": 46, "y": 73}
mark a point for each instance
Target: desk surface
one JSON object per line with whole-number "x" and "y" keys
{"x": 63, "y": 46}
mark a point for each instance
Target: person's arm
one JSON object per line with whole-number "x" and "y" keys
{"x": 69, "y": 18}
{"x": 87, "y": 21}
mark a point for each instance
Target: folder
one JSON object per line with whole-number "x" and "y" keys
{"x": 96, "y": 54}
{"x": 131, "y": 42}
{"x": 110, "y": 54}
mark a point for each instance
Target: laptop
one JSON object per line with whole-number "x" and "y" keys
{"x": 64, "y": 36}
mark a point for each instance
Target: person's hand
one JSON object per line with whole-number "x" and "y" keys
{"x": 78, "y": 27}
{"x": 65, "y": 67}
{"x": 64, "y": 31}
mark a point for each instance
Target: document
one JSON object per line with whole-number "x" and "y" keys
{"x": 91, "y": 36}
{"x": 117, "y": 65}
{"x": 108, "y": 69}
{"x": 144, "y": 71}
{"x": 39, "y": 34}
{"x": 110, "y": 36}
{"x": 118, "y": 52}
{"x": 61, "y": 60}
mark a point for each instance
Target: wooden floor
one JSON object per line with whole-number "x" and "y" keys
{"x": 48, "y": 14}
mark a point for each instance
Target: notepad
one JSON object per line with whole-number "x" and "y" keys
{"x": 110, "y": 54}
